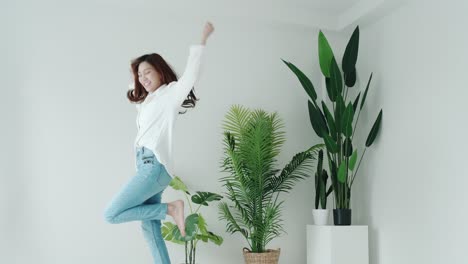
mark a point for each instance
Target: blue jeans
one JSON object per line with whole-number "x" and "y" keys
{"x": 140, "y": 200}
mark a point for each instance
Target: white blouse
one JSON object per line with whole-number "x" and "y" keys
{"x": 158, "y": 112}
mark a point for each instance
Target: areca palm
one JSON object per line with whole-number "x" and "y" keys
{"x": 252, "y": 142}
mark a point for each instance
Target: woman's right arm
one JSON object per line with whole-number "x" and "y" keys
{"x": 191, "y": 72}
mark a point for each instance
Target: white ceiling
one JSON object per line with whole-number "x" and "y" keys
{"x": 332, "y": 7}
{"x": 335, "y": 15}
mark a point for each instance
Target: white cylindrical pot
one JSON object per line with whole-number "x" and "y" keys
{"x": 320, "y": 216}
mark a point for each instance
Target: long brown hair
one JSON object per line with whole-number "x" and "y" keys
{"x": 138, "y": 94}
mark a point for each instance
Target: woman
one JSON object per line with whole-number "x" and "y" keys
{"x": 158, "y": 95}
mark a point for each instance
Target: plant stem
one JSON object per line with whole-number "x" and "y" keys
{"x": 354, "y": 176}
{"x": 194, "y": 252}
{"x": 191, "y": 252}
{"x": 198, "y": 209}
{"x": 188, "y": 201}
{"x": 355, "y": 124}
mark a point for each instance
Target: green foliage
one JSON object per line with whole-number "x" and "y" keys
{"x": 252, "y": 142}
{"x": 195, "y": 224}
{"x": 337, "y": 128}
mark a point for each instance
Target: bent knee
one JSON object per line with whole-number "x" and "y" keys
{"x": 109, "y": 217}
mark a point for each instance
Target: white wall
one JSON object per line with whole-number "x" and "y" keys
{"x": 10, "y": 143}
{"x": 76, "y": 128}
{"x": 411, "y": 187}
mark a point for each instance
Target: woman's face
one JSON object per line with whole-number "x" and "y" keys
{"x": 148, "y": 77}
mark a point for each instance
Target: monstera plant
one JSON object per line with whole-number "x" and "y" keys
{"x": 195, "y": 224}
{"x": 336, "y": 121}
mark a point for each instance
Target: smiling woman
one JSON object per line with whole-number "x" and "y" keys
{"x": 149, "y": 77}
{"x": 150, "y": 72}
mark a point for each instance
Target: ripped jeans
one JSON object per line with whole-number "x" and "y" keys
{"x": 140, "y": 200}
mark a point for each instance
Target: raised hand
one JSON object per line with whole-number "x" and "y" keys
{"x": 207, "y": 30}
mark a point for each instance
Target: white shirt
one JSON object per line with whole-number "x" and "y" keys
{"x": 158, "y": 112}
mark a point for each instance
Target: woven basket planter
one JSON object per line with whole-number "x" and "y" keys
{"x": 271, "y": 256}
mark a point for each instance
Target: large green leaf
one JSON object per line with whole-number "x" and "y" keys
{"x": 305, "y": 81}
{"x": 212, "y": 237}
{"x": 318, "y": 178}
{"x": 202, "y": 225}
{"x": 330, "y": 89}
{"x": 347, "y": 121}
{"x": 330, "y": 121}
{"x": 365, "y": 93}
{"x": 339, "y": 112}
{"x": 317, "y": 120}
{"x": 336, "y": 79}
{"x": 356, "y": 102}
{"x": 342, "y": 172}
{"x": 374, "y": 131}
{"x": 350, "y": 78}
{"x": 178, "y": 185}
{"x": 325, "y": 54}
{"x": 330, "y": 143}
{"x": 323, "y": 190}
{"x": 352, "y": 161}
{"x": 347, "y": 147}
{"x": 167, "y": 231}
{"x": 351, "y": 52}
{"x": 191, "y": 229}
{"x": 205, "y": 197}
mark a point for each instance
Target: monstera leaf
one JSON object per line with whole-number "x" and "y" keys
{"x": 204, "y": 197}
{"x": 178, "y": 185}
{"x": 212, "y": 237}
{"x": 167, "y": 231}
{"x": 191, "y": 229}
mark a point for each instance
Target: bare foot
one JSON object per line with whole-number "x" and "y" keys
{"x": 176, "y": 210}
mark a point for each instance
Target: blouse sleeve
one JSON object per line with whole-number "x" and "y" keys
{"x": 186, "y": 82}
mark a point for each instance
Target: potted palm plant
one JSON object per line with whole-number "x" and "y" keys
{"x": 252, "y": 142}
{"x": 195, "y": 224}
{"x": 337, "y": 127}
{"x": 321, "y": 214}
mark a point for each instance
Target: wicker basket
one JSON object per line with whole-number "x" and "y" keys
{"x": 271, "y": 256}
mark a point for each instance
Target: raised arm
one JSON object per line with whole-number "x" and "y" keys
{"x": 192, "y": 69}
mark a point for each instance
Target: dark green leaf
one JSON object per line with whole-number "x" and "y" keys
{"x": 205, "y": 197}
{"x": 330, "y": 121}
{"x": 347, "y": 147}
{"x": 339, "y": 112}
{"x": 322, "y": 191}
{"x": 336, "y": 79}
{"x": 350, "y": 78}
{"x": 347, "y": 121}
{"x": 330, "y": 90}
{"x": 352, "y": 160}
{"x": 374, "y": 131}
{"x": 305, "y": 81}
{"x": 356, "y": 101}
{"x": 330, "y": 143}
{"x": 317, "y": 120}
{"x": 365, "y": 93}
{"x": 351, "y": 52}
